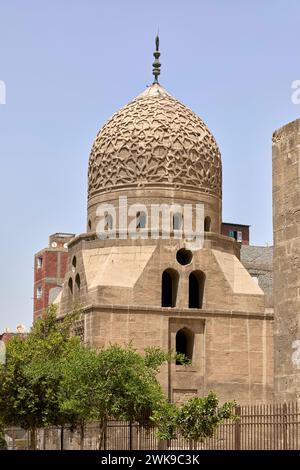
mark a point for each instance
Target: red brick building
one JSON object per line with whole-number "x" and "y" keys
{"x": 6, "y": 336}
{"x": 49, "y": 271}
{"x": 240, "y": 232}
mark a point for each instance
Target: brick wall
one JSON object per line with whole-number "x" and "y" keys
{"x": 229, "y": 229}
{"x": 51, "y": 272}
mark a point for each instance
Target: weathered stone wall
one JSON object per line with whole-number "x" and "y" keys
{"x": 232, "y": 352}
{"x": 131, "y": 274}
{"x": 151, "y": 198}
{"x": 120, "y": 293}
{"x": 286, "y": 225}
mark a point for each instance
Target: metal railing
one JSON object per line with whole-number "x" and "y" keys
{"x": 257, "y": 427}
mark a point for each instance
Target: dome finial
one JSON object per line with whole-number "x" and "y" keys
{"x": 156, "y": 64}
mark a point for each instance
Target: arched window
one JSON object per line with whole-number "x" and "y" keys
{"x": 207, "y": 222}
{"x": 89, "y": 225}
{"x": 185, "y": 343}
{"x": 70, "y": 285}
{"x": 77, "y": 282}
{"x": 196, "y": 289}
{"x": 169, "y": 286}
{"x": 74, "y": 261}
{"x": 141, "y": 220}
{"x": 108, "y": 221}
{"x": 177, "y": 221}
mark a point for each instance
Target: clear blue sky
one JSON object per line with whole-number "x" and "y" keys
{"x": 69, "y": 64}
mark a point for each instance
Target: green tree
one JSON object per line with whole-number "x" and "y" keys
{"x": 3, "y": 444}
{"x": 116, "y": 382}
{"x": 29, "y": 382}
{"x": 50, "y": 379}
{"x": 195, "y": 420}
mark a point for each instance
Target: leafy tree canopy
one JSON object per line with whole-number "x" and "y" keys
{"x": 29, "y": 390}
{"x": 196, "y": 419}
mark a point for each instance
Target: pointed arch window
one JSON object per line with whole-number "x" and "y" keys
{"x": 108, "y": 221}
{"x": 77, "y": 282}
{"x": 141, "y": 220}
{"x": 185, "y": 343}
{"x": 207, "y": 223}
{"x": 177, "y": 221}
{"x": 169, "y": 287}
{"x": 196, "y": 289}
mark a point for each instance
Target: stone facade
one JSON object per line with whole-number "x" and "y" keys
{"x": 286, "y": 225}
{"x": 157, "y": 151}
{"x": 233, "y": 339}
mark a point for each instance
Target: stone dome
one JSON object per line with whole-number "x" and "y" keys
{"x": 155, "y": 141}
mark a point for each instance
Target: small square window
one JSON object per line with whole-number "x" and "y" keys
{"x": 39, "y": 293}
{"x": 39, "y": 262}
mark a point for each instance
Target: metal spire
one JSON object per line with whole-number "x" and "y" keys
{"x": 156, "y": 64}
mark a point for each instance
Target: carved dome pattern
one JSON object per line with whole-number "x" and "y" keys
{"x": 155, "y": 141}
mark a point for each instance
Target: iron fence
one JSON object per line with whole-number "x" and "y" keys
{"x": 257, "y": 427}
